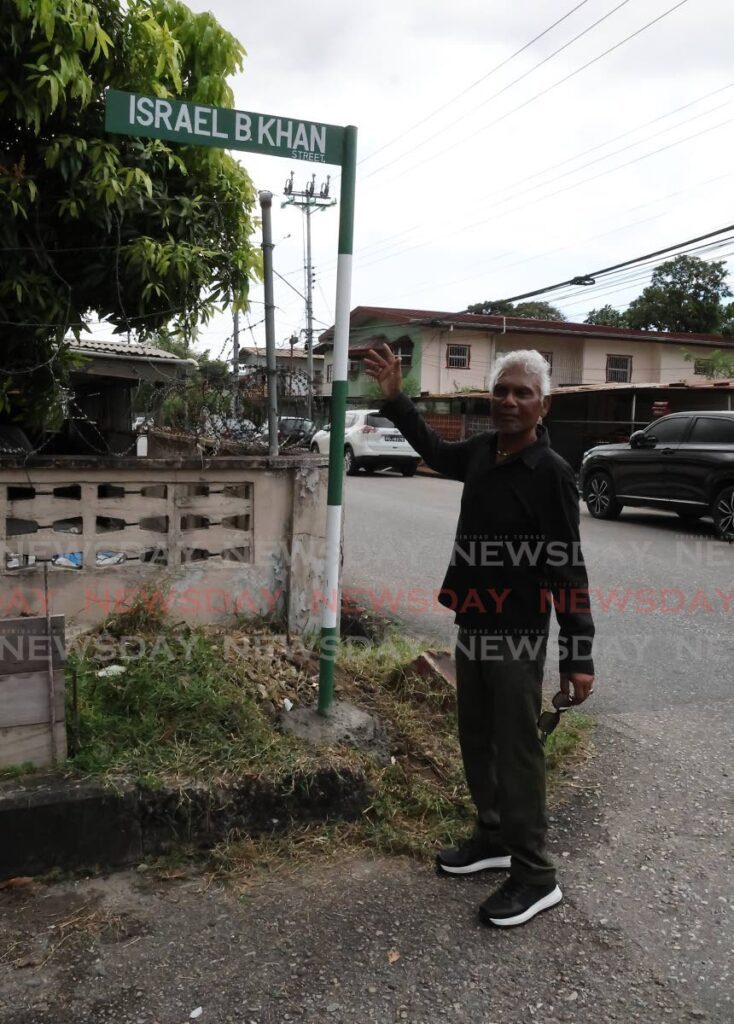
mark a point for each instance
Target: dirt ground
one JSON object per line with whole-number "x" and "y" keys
{"x": 355, "y": 939}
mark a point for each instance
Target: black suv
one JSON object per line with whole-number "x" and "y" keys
{"x": 682, "y": 463}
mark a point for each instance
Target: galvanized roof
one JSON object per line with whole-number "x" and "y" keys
{"x": 13, "y": 440}
{"x": 131, "y": 349}
{"x": 680, "y": 385}
{"x": 281, "y": 350}
{"x": 690, "y": 384}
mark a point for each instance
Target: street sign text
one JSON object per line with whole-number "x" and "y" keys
{"x": 195, "y": 124}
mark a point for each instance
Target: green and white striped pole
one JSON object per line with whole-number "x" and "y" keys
{"x": 330, "y": 619}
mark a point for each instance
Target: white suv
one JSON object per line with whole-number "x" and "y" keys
{"x": 371, "y": 442}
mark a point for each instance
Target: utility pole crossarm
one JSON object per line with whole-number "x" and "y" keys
{"x": 308, "y": 200}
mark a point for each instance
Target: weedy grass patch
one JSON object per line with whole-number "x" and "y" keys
{"x": 195, "y": 706}
{"x": 203, "y": 704}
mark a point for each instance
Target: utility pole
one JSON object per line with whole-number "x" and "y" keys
{"x": 309, "y": 201}
{"x": 309, "y": 309}
{"x": 266, "y": 202}
{"x": 236, "y": 365}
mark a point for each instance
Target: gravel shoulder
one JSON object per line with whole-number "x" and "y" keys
{"x": 354, "y": 940}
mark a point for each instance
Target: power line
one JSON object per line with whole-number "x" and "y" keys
{"x": 382, "y": 246}
{"x": 473, "y": 85}
{"x": 623, "y": 135}
{"x": 292, "y": 287}
{"x": 474, "y": 223}
{"x": 622, "y": 285}
{"x": 538, "y": 95}
{"x": 618, "y": 266}
{"x": 632, "y": 279}
{"x": 592, "y": 238}
{"x": 504, "y": 89}
{"x": 617, "y": 152}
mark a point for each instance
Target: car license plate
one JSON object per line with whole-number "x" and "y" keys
{"x": 394, "y": 437}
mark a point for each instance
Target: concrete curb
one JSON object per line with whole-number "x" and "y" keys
{"x": 50, "y": 823}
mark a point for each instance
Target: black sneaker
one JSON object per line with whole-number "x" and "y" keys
{"x": 475, "y": 854}
{"x": 516, "y": 903}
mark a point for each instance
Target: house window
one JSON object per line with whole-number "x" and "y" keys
{"x": 405, "y": 353}
{"x": 457, "y": 357}
{"x": 353, "y": 368}
{"x": 329, "y": 373}
{"x": 619, "y": 369}
{"x": 403, "y": 347}
{"x": 702, "y": 367}
{"x": 548, "y": 356}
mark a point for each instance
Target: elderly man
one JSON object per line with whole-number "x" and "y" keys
{"x": 516, "y": 555}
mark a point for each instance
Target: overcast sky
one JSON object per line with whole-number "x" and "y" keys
{"x": 484, "y": 200}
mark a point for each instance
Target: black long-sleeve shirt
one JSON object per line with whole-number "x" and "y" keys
{"x": 517, "y": 552}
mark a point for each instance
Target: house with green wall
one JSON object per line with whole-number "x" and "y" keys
{"x": 453, "y": 353}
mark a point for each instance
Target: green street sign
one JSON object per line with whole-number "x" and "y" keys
{"x": 193, "y": 124}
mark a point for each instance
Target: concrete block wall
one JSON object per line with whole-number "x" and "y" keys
{"x": 210, "y": 541}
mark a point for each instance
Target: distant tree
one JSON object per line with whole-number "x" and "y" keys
{"x": 718, "y": 364}
{"x": 727, "y": 320}
{"x": 489, "y": 308}
{"x": 181, "y": 405}
{"x": 531, "y": 310}
{"x": 685, "y": 294}
{"x": 606, "y": 316}
{"x": 411, "y": 388}
{"x": 539, "y": 311}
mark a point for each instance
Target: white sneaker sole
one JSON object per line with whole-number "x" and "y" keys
{"x": 543, "y": 904}
{"x": 488, "y": 864}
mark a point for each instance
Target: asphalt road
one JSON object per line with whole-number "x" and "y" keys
{"x": 664, "y": 701}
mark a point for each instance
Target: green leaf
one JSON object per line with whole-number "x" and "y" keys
{"x": 53, "y": 86}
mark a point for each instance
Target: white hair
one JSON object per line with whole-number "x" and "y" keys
{"x": 530, "y": 361}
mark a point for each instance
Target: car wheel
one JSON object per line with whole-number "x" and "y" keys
{"x": 408, "y": 470}
{"x": 600, "y": 498}
{"x": 350, "y": 463}
{"x": 723, "y": 511}
{"x": 315, "y": 449}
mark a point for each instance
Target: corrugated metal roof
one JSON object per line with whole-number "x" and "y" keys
{"x": 259, "y": 350}
{"x": 98, "y": 346}
{"x": 680, "y": 385}
{"x": 13, "y": 440}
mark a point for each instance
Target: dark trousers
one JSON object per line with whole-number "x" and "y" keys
{"x": 499, "y": 700}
